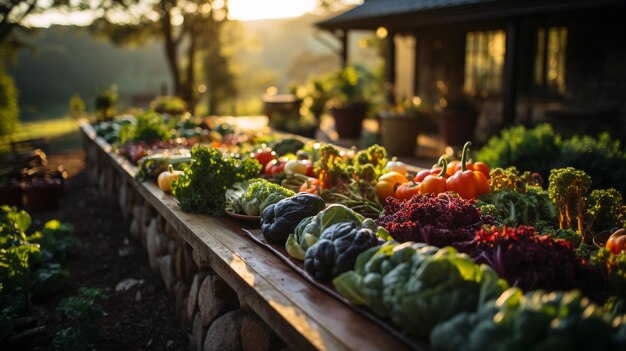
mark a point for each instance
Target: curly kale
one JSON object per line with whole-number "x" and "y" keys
{"x": 532, "y": 207}
{"x": 202, "y": 188}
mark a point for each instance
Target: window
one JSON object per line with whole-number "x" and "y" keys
{"x": 550, "y": 59}
{"x": 484, "y": 61}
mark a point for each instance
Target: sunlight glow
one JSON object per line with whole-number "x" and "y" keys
{"x": 246, "y": 10}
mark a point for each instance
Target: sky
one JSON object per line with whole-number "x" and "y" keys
{"x": 243, "y": 10}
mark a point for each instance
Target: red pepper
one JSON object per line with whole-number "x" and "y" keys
{"x": 274, "y": 167}
{"x": 435, "y": 184}
{"x": 468, "y": 184}
{"x": 264, "y": 156}
{"x": 435, "y": 170}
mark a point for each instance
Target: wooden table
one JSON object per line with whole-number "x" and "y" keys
{"x": 304, "y": 316}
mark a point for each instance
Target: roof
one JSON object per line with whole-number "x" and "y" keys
{"x": 406, "y": 13}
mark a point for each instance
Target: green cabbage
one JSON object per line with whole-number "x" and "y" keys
{"x": 418, "y": 286}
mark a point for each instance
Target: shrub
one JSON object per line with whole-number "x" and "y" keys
{"x": 527, "y": 149}
{"x": 9, "y": 109}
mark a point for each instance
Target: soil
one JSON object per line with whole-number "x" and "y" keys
{"x": 142, "y": 318}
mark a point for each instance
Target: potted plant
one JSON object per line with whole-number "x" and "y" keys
{"x": 457, "y": 120}
{"x": 400, "y": 125}
{"x": 349, "y": 103}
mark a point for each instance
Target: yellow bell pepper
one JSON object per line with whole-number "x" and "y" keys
{"x": 388, "y": 183}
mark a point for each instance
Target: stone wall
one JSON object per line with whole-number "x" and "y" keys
{"x": 217, "y": 317}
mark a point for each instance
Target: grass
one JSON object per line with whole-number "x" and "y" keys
{"x": 61, "y": 134}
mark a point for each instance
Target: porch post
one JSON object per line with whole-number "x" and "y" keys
{"x": 390, "y": 66}
{"x": 343, "y": 36}
{"x": 509, "y": 91}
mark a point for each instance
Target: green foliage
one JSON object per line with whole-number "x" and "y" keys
{"x": 149, "y": 127}
{"x": 83, "y": 312}
{"x": 527, "y": 149}
{"x": 202, "y": 188}
{"x": 602, "y": 158}
{"x": 537, "y": 320}
{"x": 351, "y": 84}
{"x": 368, "y": 165}
{"x": 539, "y": 150}
{"x": 172, "y": 105}
{"x": 77, "y": 107}
{"x": 513, "y": 208}
{"x": 613, "y": 269}
{"x": 28, "y": 266}
{"x": 603, "y": 210}
{"x": 106, "y": 102}
{"x": 9, "y": 108}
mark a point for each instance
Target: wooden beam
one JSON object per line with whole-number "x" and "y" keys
{"x": 390, "y": 66}
{"x": 343, "y": 37}
{"x": 509, "y": 91}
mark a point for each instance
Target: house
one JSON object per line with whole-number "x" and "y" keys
{"x": 562, "y": 61}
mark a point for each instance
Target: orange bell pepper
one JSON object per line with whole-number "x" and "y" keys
{"x": 435, "y": 170}
{"x": 467, "y": 183}
{"x": 435, "y": 184}
{"x": 476, "y": 166}
{"x": 311, "y": 186}
{"x": 388, "y": 183}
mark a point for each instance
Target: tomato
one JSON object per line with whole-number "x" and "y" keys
{"x": 274, "y": 167}
{"x": 426, "y": 172}
{"x": 406, "y": 190}
{"x": 264, "y": 156}
{"x": 388, "y": 183}
{"x": 617, "y": 241}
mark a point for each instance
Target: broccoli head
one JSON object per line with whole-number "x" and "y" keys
{"x": 568, "y": 188}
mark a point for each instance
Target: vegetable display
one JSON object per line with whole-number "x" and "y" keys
{"x": 418, "y": 286}
{"x": 202, "y": 187}
{"x": 280, "y": 219}
{"x": 337, "y": 250}
{"x": 535, "y": 321}
{"x": 433, "y": 254}
{"x": 438, "y": 220}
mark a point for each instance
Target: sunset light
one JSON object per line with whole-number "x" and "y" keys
{"x": 246, "y": 10}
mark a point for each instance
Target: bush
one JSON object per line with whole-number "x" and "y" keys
{"x": 539, "y": 149}
{"x": 527, "y": 149}
{"x": 602, "y": 158}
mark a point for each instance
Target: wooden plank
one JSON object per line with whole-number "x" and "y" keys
{"x": 305, "y": 317}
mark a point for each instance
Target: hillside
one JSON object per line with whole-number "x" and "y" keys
{"x": 68, "y": 60}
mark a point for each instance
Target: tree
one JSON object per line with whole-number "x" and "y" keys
{"x": 188, "y": 29}
{"x": 9, "y": 110}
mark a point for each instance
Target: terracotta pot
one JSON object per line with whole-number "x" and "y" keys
{"x": 457, "y": 126}
{"x": 349, "y": 119}
{"x": 11, "y": 194}
{"x": 43, "y": 194}
{"x": 399, "y": 133}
